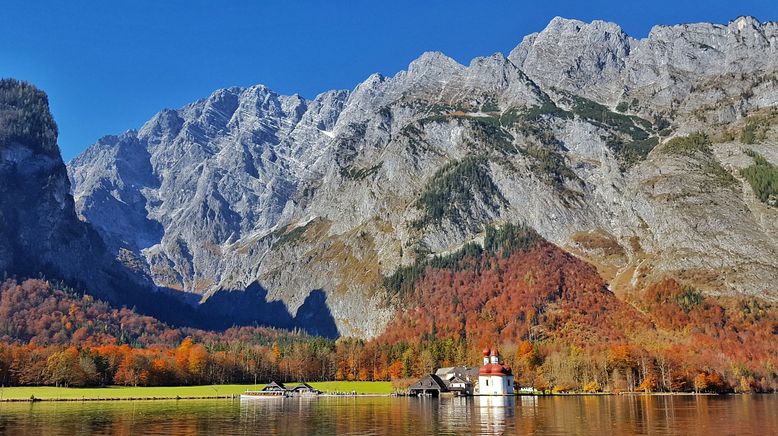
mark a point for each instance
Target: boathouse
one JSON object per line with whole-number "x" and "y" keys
{"x": 459, "y": 379}
{"x": 274, "y": 387}
{"x": 304, "y": 388}
{"x": 430, "y": 385}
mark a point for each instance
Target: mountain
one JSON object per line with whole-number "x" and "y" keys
{"x": 39, "y": 230}
{"x": 255, "y": 204}
{"x": 40, "y": 233}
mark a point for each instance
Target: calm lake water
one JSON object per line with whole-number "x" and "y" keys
{"x": 618, "y": 415}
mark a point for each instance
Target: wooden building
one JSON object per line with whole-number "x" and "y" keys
{"x": 430, "y": 385}
{"x": 459, "y": 379}
{"x": 304, "y": 389}
{"x": 274, "y": 387}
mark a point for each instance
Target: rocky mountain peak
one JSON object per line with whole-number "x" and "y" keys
{"x": 164, "y": 126}
{"x": 574, "y": 55}
{"x": 330, "y": 197}
{"x": 434, "y": 64}
{"x": 571, "y": 26}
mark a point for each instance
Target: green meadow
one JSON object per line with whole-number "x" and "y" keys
{"x": 124, "y": 392}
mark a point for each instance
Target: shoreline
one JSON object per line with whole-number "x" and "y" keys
{"x": 326, "y": 395}
{"x": 234, "y": 397}
{"x": 89, "y": 399}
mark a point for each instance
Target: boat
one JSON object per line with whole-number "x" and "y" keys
{"x": 271, "y": 390}
{"x": 278, "y": 390}
{"x": 257, "y": 395}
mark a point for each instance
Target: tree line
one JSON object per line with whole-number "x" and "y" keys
{"x": 550, "y": 314}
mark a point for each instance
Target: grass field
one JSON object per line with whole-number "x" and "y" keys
{"x": 347, "y": 386}
{"x": 119, "y": 392}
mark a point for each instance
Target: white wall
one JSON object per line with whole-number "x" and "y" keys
{"x": 495, "y": 385}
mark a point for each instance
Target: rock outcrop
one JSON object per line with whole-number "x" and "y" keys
{"x": 40, "y": 233}
{"x": 39, "y": 230}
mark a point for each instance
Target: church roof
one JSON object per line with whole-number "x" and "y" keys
{"x": 495, "y": 369}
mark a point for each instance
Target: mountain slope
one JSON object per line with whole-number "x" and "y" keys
{"x": 40, "y": 234}
{"x": 558, "y": 325}
{"x": 571, "y": 134}
{"x": 38, "y": 225}
{"x": 517, "y": 286}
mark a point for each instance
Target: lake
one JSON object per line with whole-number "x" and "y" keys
{"x": 602, "y": 415}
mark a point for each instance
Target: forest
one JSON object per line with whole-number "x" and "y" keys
{"x": 562, "y": 330}
{"x": 25, "y": 117}
{"x": 550, "y": 313}
{"x": 452, "y": 187}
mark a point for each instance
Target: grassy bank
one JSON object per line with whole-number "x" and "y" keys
{"x": 361, "y": 387}
{"x": 212, "y": 391}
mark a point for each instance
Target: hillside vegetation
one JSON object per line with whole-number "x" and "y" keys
{"x": 560, "y": 326}
{"x": 25, "y": 117}
{"x": 50, "y": 335}
{"x": 549, "y": 312}
{"x": 763, "y": 178}
{"x": 452, "y": 190}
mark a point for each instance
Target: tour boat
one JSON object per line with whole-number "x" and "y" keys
{"x": 254, "y": 395}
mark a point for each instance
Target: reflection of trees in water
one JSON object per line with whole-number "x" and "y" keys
{"x": 380, "y": 414}
{"x": 624, "y": 414}
{"x": 117, "y": 417}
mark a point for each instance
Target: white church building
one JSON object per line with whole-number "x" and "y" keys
{"x": 494, "y": 378}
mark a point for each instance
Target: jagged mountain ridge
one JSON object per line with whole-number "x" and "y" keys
{"x": 335, "y": 193}
{"x": 600, "y": 61}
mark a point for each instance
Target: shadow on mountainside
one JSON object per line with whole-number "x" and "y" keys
{"x": 315, "y": 317}
{"x": 251, "y": 307}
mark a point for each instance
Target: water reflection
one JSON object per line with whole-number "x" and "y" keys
{"x": 495, "y": 411}
{"x": 382, "y": 415}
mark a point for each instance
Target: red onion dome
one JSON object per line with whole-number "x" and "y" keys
{"x": 494, "y": 352}
{"x": 486, "y": 352}
{"x": 486, "y": 369}
{"x": 495, "y": 369}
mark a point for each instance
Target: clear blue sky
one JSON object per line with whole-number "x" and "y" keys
{"x": 110, "y": 65}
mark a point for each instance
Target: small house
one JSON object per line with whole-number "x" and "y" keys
{"x": 304, "y": 389}
{"x": 459, "y": 379}
{"x": 460, "y": 386}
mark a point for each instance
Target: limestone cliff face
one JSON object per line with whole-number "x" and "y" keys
{"x": 674, "y": 68}
{"x": 40, "y": 233}
{"x": 39, "y": 230}
{"x": 316, "y": 201}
